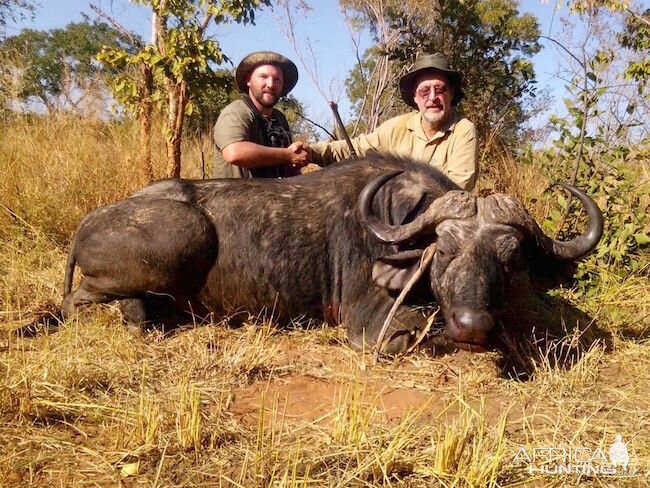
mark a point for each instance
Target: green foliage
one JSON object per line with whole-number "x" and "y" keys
{"x": 612, "y": 175}
{"x": 55, "y": 62}
{"x": 178, "y": 68}
{"x": 599, "y": 158}
{"x": 124, "y": 84}
{"x": 637, "y": 37}
{"x": 182, "y": 53}
{"x": 217, "y": 92}
{"x": 356, "y": 84}
{"x": 499, "y": 77}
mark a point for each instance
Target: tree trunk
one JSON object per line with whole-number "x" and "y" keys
{"x": 177, "y": 98}
{"x": 146, "y": 111}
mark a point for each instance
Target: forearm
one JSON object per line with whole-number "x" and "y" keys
{"x": 250, "y": 155}
{"x": 325, "y": 153}
{"x": 329, "y": 152}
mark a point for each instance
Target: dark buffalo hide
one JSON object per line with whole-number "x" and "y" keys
{"x": 337, "y": 244}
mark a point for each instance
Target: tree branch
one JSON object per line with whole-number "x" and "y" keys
{"x": 117, "y": 25}
{"x": 559, "y": 44}
{"x": 205, "y": 22}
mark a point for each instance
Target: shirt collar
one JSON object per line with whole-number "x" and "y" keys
{"x": 414, "y": 123}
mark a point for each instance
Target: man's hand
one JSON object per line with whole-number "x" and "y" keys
{"x": 299, "y": 154}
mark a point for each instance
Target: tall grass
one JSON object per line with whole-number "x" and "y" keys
{"x": 55, "y": 169}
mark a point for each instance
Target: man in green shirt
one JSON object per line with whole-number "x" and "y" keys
{"x": 434, "y": 134}
{"x": 251, "y": 138}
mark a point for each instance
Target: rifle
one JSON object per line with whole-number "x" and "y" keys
{"x": 341, "y": 128}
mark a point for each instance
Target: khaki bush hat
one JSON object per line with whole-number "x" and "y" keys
{"x": 429, "y": 62}
{"x": 253, "y": 60}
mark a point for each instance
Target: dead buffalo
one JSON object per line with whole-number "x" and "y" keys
{"x": 338, "y": 244}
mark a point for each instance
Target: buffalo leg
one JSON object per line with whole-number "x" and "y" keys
{"x": 81, "y": 296}
{"x": 148, "y": 310}
{"x": 401, "y": 334}
{"x": 152, "y": 309}
{"x": 403, "y": 330}
{"x": 133, "y": 310}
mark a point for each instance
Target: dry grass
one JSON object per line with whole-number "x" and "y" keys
{"x": 56, "y": 170}
{"x": 92, "y": 405}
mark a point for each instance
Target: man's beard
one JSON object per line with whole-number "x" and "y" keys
{"x": 436, "y": 119}
{"x": 259, "y": 96}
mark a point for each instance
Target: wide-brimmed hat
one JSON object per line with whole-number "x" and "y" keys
{"x": 253, "y": 60}
{"x": 430, "y": 62}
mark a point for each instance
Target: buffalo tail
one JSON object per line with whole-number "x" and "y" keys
{"x": 69, "y": 271}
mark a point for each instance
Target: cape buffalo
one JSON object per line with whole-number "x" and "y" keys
{"x": 337, "y": 244}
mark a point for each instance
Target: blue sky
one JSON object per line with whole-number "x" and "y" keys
{"x": 324, "y": 26}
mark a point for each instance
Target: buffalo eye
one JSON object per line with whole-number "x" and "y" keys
{"x": 507, "y": 249}
{"x": 444, "y": 257}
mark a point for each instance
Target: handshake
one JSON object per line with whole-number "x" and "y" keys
{"x": 300, "y": 154}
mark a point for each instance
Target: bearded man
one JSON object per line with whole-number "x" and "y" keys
{"x": 251, "y": 138}
{"x": 435, "y": 134}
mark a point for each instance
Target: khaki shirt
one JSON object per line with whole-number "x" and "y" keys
{"x": 453, "y": 149}
{"x": 237, "y": 123}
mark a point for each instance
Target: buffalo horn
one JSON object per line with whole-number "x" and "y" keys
{"x": 584, "y": 243}
{"x": 454, "y": 204}
{"x": 509, "y": 211}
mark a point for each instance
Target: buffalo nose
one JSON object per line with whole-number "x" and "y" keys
{"x": 471, "y": 322}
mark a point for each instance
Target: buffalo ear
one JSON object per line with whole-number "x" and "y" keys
{"x": 547, "y": 273}
{"x": 394, "y": 271}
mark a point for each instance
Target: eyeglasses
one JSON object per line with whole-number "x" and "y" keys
{"x": 425, "y": 91}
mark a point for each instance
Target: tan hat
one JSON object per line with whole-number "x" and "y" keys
{"x": 253, "y": 60}
{"x": 430, "y": 62}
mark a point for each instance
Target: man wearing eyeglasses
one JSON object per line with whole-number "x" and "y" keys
{"x": 434, "y": 134}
